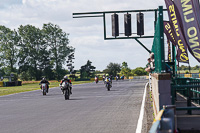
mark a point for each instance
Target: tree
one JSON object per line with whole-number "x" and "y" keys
{"x": 58, "y": 41}
{"x": 125, "y": 70}
{"x": 112, "y": 69}
{"x": 8, "y": 46}
{"x": 70, "y": 66}
{"x": 37, "y": 52}
{"x": 183, "y": 67}
{"x": 124, "y": 64}
{"x": 87, "y": 70}
{"x": 45, "y": 64}
{"x": 195, "y": 67}
{"x": 30, "y": 54}
{"x": 139, "y": 71}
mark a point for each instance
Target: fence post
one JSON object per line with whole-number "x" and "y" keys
{"x": 160, "y": 46}
{"x": 174, "y": 60}
{"x": 189, "y": 100}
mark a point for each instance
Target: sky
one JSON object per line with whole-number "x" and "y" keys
{"x": 86, "y": 34}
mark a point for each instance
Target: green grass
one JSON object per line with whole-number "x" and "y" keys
{"x": 31, "y": 87}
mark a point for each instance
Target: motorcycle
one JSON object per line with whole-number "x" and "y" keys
{"x": 44, "y": 88}
{"x": 96, "y": 80}
{"x": 65, "y": 87}
{"x": 117, "y": 78}
{"x": 108, "y": 84}
{"x": 103, "y": 79}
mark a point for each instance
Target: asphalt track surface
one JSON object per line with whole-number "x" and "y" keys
{"x": 91, "y": 109}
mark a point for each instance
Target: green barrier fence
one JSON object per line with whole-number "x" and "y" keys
{"x": 189, "y": 88}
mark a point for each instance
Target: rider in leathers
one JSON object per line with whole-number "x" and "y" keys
{"x": 108, "y": 79}
{"x": 46, "y": 82}
{"x": 69, "y": 81}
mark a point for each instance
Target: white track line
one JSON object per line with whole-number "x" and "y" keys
{"x": 139, "y": 124}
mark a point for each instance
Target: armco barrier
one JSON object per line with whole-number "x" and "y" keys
{"x": 165, "y": 121}
{"x": 82, "y": 79}
{"x": 192, "y": 75}
{"x": 131, "y": 77}
{"x": 14, "y": 83}
{"x": 138, "y": 77}
{"x": 19, "y": 83}
{"x": 187, "y": 75}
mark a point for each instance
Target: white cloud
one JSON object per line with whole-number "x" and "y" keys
{"x": 24, "y": 1}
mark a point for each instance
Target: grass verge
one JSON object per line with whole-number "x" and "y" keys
{"x": 31, "y": 86}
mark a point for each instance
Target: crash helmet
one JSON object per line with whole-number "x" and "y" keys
{"x": 43, "y": 78}
{"x": 107, "y": 75}
{"x": 65, "y": 77}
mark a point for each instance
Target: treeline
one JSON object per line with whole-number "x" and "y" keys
{"x": 123, "y": 69}
{"x": 115, "y": 69}
{"x": 182, "y": 67}
{"x": 32, "y": 53}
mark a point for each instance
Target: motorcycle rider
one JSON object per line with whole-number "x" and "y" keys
{"x": 117, "y": 77}
{"x": 103, "y": 77}
{"x": 107, "y": 79}
{"x": 65, "y": 78}
{"x": 111, "y": 78}
{"x": 46, "y": 82}
{"x": 96, "y": 79}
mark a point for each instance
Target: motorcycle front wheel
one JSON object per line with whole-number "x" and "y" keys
{"x": 108, "y": 86}
{"x": 66, "y": 94}
{"x": 44, "y": 91}
{"x": 62, "y": 91}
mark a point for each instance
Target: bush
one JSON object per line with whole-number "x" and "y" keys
{"x": 14, "y": 76}
{"x": 24, "y": 76}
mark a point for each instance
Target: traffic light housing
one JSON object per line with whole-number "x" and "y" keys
{"x": 115, "y": 25}
{"x": 127, "y": 24}
{"x": 140, "y": 24}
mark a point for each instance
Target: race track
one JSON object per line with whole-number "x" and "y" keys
{"x": 91, "y": 109}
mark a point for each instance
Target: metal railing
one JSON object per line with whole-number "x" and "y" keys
{"x": 190, "y": 89}
{"x": 165, "y": 120}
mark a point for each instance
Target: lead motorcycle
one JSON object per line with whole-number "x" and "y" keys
{"x": 108, "y": 83}
{"x": 65, "y": 88}
{"x": 44, "y": 88}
